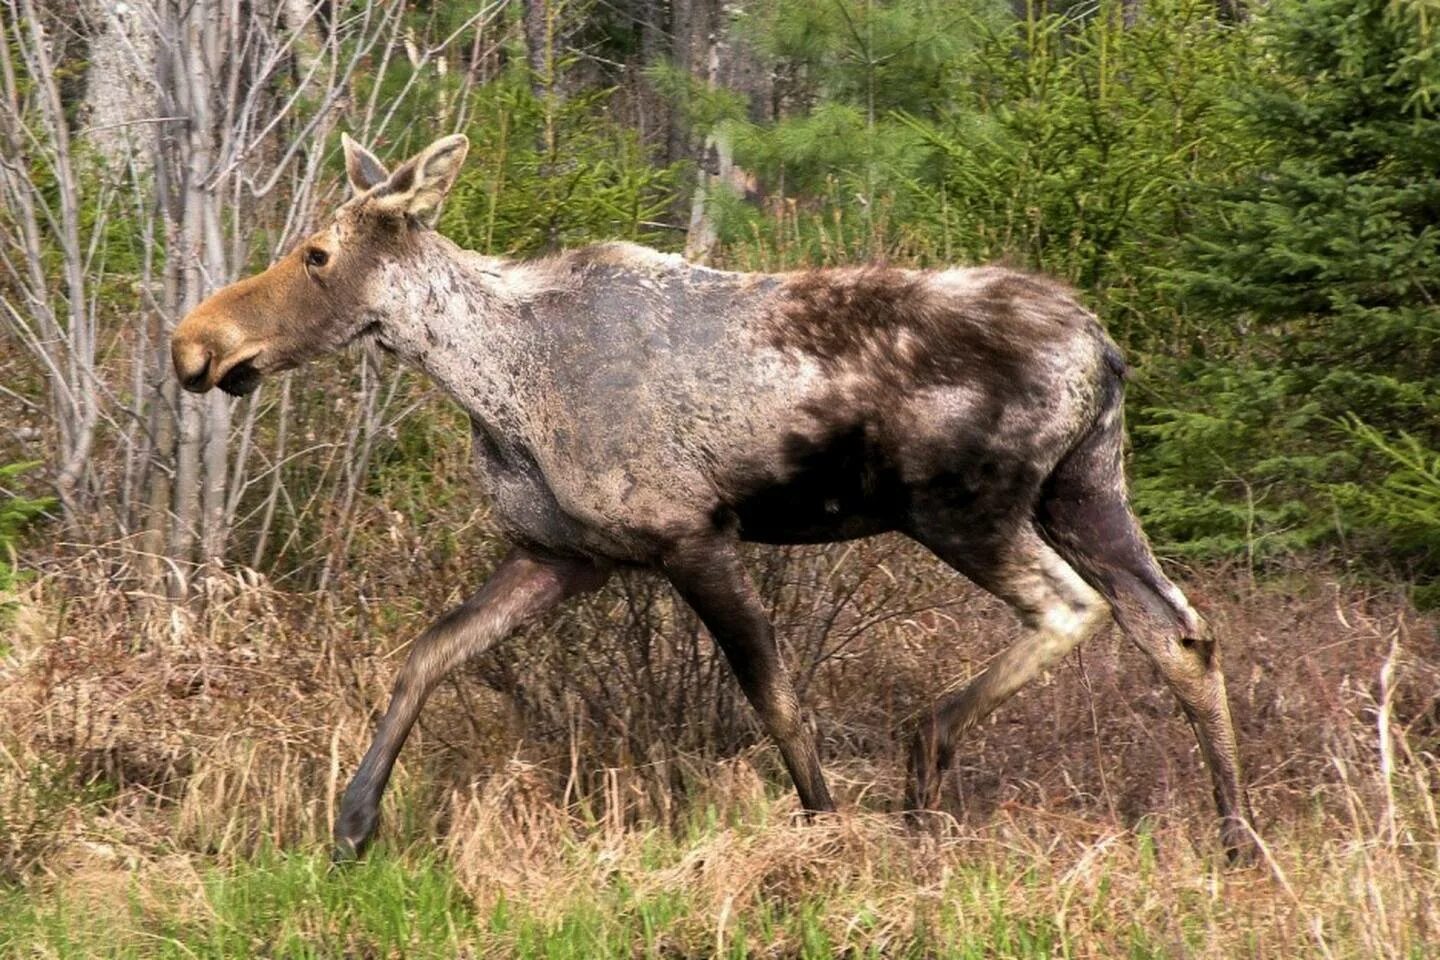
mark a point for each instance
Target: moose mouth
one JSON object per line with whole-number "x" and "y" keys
{"x": 241, "y": 379}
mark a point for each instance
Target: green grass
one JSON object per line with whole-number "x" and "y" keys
{"x": 279, "y": 905}
{"x": 751, "y": 884}
{"x": 275, "y": 905}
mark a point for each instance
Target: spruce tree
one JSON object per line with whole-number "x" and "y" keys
{"x": 1333, "y": 251}
{"x": 1324, "y": 264}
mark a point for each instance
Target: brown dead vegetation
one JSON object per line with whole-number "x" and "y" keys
{"x": 191, "y": 734}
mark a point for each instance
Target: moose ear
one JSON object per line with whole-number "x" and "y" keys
{"x": 361, "y": 166}
{"x": 416, "y": 188}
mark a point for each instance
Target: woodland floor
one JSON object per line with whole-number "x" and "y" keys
{"x": 167, "y": 780}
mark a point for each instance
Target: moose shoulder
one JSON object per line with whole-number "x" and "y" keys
{"x": 630, "y": 408}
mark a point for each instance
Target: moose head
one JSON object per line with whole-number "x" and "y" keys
{"x": 317, "y": 297}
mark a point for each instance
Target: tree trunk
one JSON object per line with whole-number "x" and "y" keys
{"x": 119, "y": 91}
{"x": 677, "y": 142}
{"x": 537, "y": 21}
{"x": 735, "y": 65}
{"x": 715, "y": 169}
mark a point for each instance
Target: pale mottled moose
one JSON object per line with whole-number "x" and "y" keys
{"x": 631, "y": 409}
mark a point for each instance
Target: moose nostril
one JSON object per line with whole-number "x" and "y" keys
{"x": 195, "y": 379}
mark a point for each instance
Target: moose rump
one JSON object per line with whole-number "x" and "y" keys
{"x": 981, "y": 413}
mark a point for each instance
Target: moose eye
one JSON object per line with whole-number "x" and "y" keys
{"x": 315, "y": 257}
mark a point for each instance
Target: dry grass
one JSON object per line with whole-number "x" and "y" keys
{"x": 156, "y": 761}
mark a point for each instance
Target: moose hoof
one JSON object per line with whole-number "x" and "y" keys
{"x": 345, "y": 852}
{"x": 921, "y": 808}
{"x": 353, "y": 833}
{"x": 1242, "y": 849}
{"x": 922, "y": 794}
{"x": 928, "y": 823}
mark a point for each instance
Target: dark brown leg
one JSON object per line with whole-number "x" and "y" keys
{"x": 522, "y": 587}
{"x": 709, "y": 576}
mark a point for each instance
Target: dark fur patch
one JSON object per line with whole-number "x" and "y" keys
{"x": 839, "y": 487}
{"x": 907, "y": 329}
{"x": 832, "y": 314}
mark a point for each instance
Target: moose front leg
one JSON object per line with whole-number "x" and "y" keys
{"x": 521, "y": 588}
{"x": 709, "y": 576}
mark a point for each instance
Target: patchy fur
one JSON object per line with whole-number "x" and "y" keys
{"x": 919, "y": 329}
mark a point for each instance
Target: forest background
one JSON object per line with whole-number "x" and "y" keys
{"x": 1246, "y": 193}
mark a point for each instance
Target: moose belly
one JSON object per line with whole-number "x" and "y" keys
{"x": 839, "y": 489}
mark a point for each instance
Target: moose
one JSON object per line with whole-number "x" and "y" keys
{"x": 631, "y": 409}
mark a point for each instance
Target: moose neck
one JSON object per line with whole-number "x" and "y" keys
{"x": 450, "y": 312}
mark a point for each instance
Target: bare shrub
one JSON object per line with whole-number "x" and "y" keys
{"x": 630, "y": 680}
{"x": 206, "y": 152}
{"x": 627, "y": 682}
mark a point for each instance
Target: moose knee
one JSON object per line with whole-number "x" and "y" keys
{"x": 1202, "y": 650}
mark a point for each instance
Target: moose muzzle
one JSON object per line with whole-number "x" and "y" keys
{"x": 220, "y": 342}
{"x": 208, "y": 352}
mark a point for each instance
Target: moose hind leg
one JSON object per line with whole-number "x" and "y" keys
{"x": 708, "y": 575}
{"x": 521, "y": 588}
{"x": 1099, "y": 534}
{"x": 1058, "y": 611}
